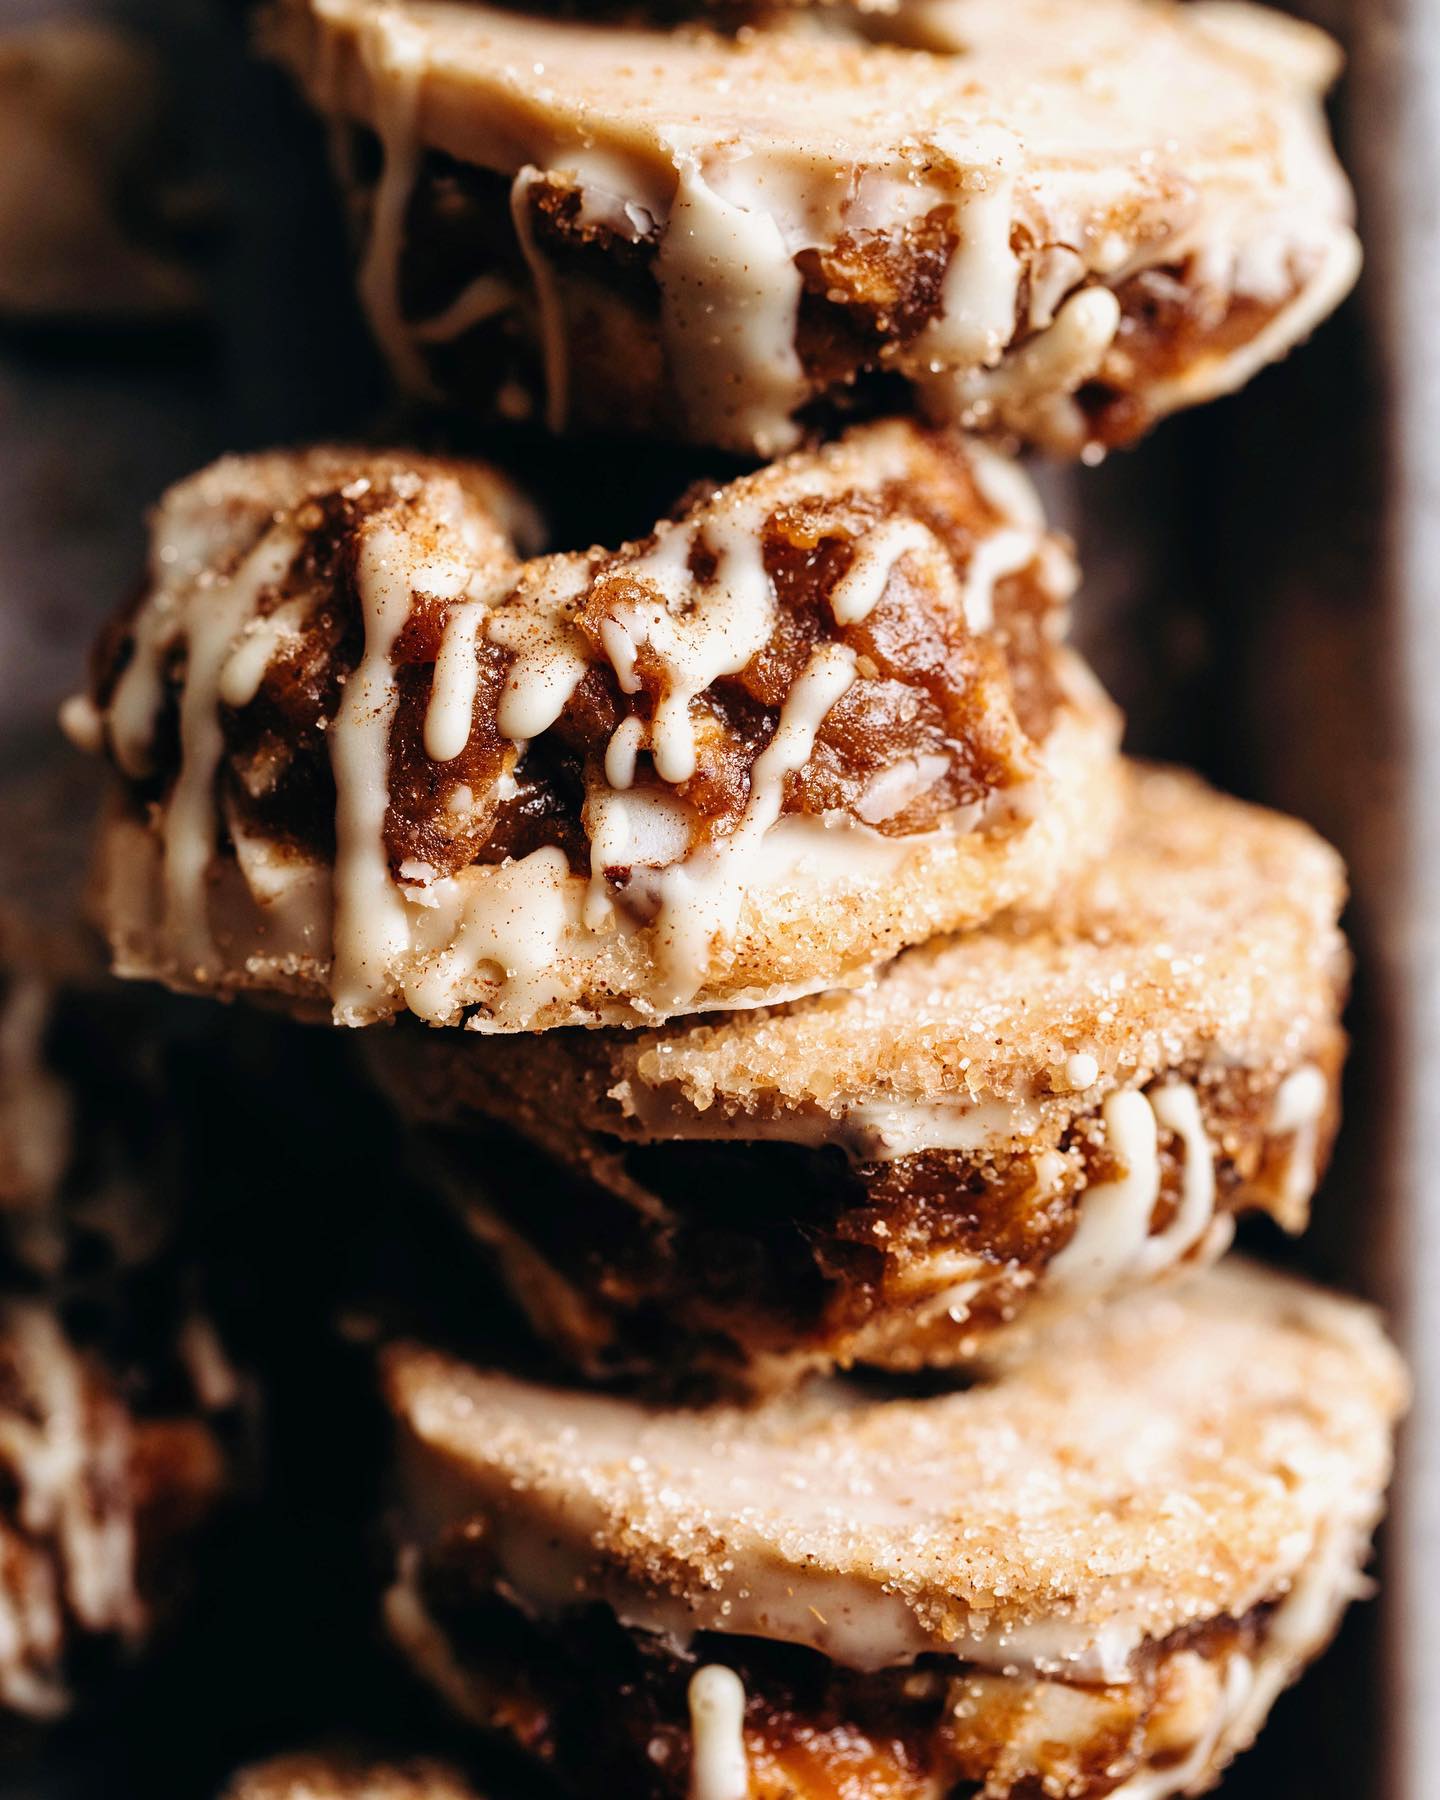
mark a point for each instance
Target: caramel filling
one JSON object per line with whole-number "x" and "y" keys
{"x": 747, "y": 1250}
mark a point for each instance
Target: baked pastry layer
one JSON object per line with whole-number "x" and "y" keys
{"x": 1060, "y": 1104}
{"x": 319, "y": 1775}
{"x": 372, "y": 759}
{"x": 1094, "y": 1572}
{"x": 1053, "y": 222}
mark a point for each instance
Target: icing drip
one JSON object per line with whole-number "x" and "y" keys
{"x": 190, "y": 816}
{"x": 648, "y": 827}
{"x": 549, "y": 665}
{"x": 451, "y": 711}
{"x": 371, "y": 925}
{"x": 730, "y": 622}
{"x": 486, "y": 296}
{"x": 993, "y": 558}
{"x": 1048, "y": 366}
{"x": 719, "y": 1768}
{"x": 1298, "y": 1109}
{"x": 550, "y": 308}
{"x": 394, "y": 56}
{"x": 700, "y": 899}
{"x": 1177, "y": 1110}
{"x": 515, "y": 919}
{"x": 982, "y": 279}
{"x": 67, "y": 1453}
{"x": 450, "y": 715}
{"x": 730, "y": 293}
{"x": 1112, "y": 1236}
{"x": 255, "y": 649}
{"x": 620, "y": 753}
{"x": 858, "y": 591}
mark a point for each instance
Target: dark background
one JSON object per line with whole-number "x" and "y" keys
{"x": 1261, "y": 595}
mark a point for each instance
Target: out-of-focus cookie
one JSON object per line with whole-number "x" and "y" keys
{"x": 111, "y": 1468}
{"x": 318, "y": 1775}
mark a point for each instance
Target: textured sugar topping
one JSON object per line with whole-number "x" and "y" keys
{"x": 1160, "y": 1464}
{"x": 1210, "y": 931}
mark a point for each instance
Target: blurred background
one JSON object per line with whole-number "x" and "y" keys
{"x": 1262, "y": 595}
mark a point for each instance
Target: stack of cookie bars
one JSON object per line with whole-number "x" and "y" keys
{"x": 851, "y": 1063}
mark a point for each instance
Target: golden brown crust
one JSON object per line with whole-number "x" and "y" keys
{"x": 889, "y": 1175}
{"x": 1171, "y": 1458}
{"x": 1107, "y": 1562}
{"x": 367, "y": 749}
{"x": 315, "y": 1775}
{"x": 943, "y": 205}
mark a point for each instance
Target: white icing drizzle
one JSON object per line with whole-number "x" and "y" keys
{"x": 859, "y": 590}
{"x": 629, "y": 828}
{"x": 394, "y": 54}
{"x": 1296, "y": 1112}
{"x": 976, "y": 319}
{"x": 255, "y": 649}
{"x": 450, "y": 714}
{"x": 729, "y": 622}
{"x": 1049, "y": 365}
{"x": 625, "y": 744}
{"x": 1112, "y": 1236}
{"x": 68, "y": 1456}
{"x": 371, "y": 925}
{"x": 549, "y": 665}
{"x": 719, "y": 1767}
{"x": 550, "y": 306}
{"x": 190, "y": 816}
{"x": 482, "y": 299}
{"x": 515, "y": 919}
{"x": 993, "y": 558}
{"x": 730, "y": 293}
{"x": 701, "y": 897}
{"x": 418, "y": 1634}
{"x": 1177, "y": 1110}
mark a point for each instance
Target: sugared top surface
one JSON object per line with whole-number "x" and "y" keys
{"x": 1171, "y": 1459}
{"x": 1002, "y": 204}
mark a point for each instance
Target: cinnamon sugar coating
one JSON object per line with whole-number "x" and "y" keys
{"x": 1140, "y": 1468}
{"x": 1190, "y": 1472}
{"x": 315, "y": 1775}
{"x": 1074, "y": 1100}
